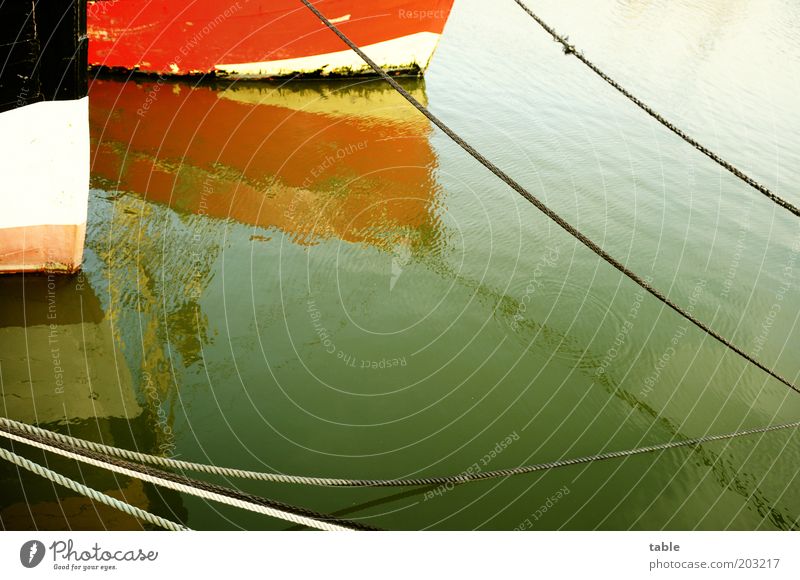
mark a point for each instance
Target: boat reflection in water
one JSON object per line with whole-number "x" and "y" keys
{"x": 315, "y": 160}
{"x": 63, "y": 368}
{"x": 227, "y": 225}
{"x": 104, "y": 355}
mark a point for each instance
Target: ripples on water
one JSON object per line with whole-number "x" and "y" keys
{"x": 307, "y": 278}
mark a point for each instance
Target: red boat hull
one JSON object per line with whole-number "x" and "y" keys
{"x": 244, "y": 38}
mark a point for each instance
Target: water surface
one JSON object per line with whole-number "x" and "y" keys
{"x": 309, "y": 278}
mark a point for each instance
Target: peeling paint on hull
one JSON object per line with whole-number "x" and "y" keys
{"x": 45, "y": 248}
{"x": 409, "y": 54}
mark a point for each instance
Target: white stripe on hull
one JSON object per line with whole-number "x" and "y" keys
{"x": 44, "y": 188}
{"x": 44, "y": 156}
{"x": 405, "y": 53}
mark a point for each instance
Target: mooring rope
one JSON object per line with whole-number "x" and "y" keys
{"x": 74, "y": 444}
{"x": 183, "y": 484}
{"x": 87, "y": 491}
{"x": 565, "y": 225}
{"x": 570, "y": 49}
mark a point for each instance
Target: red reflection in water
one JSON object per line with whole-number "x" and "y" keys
{"x": 353, "y": 162}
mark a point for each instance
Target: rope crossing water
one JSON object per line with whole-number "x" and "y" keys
{"x": 123, "y": 461}
{"x": 570, "y": 49}
{"x": 566, "y": 226}
{"x": 44, "y": 439}
{"x": 65, "y": 442}
{"x": 97, "y": 496}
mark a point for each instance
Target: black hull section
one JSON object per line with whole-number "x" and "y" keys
{"x": 43, "y": 48}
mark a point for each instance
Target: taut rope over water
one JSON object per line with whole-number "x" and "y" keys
{"x": 181, "y": 483}
{"x": 65, "y": 442}
{"x": 565, "y": 225}
{"x": 93, "y": 494}
{"x": 570, "y": 49}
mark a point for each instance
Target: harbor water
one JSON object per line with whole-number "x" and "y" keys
{"x": 307, "y": 277}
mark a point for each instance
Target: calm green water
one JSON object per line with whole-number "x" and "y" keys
{"x": 309, "y": 279}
